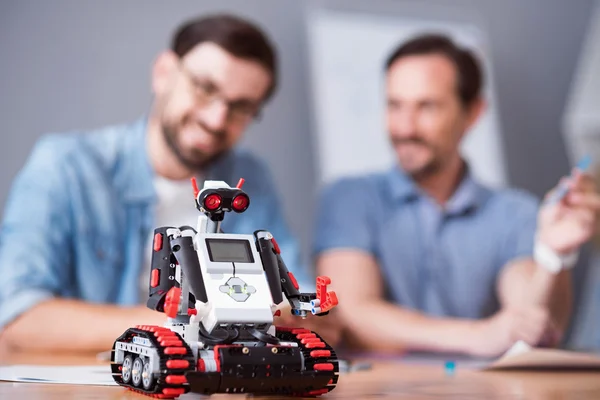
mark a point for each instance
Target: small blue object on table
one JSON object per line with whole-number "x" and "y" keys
{"x": 450, "y": 366}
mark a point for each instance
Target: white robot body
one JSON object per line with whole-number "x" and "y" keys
{"x": 237, "y": 290}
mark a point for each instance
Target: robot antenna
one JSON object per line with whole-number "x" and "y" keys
{"x": 240, "y": 183}
{"x": 195, "y": 187}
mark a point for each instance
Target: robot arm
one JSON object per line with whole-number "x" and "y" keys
{"x": 171, "y": 249}
{"x": 279, "y": 280}
{"x": 162, "y": 275}
{"x": 282, "y": 282}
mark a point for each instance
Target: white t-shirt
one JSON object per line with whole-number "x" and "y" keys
{"x": 174, "y": 207}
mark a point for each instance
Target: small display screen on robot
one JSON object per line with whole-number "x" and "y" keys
{"x": 229, "y": 250}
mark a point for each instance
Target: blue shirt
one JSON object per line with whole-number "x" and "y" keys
{"x": 443, "y": 262}
{"x": 80, "y": 211}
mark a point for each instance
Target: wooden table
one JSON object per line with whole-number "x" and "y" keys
{"x": 386, "y": 380}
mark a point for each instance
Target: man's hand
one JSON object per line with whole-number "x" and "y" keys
{"x": 325, "y": 326}
{"x": 495, "y": 335}
{"x": 567, "y": 224}
{"x": 76, "y": 317}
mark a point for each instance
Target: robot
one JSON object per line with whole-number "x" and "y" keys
{"x": 220, "y": 294}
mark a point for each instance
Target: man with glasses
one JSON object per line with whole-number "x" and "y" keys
{"x": 77, "y": 230}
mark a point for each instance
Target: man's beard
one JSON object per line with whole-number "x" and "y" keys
{"x": 198, "y": 160}
{"x": 432, "y": 167}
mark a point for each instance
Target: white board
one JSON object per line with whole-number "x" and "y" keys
{"x": 581, "y": 131}
{"x": 581, "y": 121}
{"x": 347, "y": 56}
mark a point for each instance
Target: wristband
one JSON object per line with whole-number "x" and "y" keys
{"x": 547, "y": 258}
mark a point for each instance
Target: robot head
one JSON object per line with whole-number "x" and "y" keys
{"x": 217, "y": 197}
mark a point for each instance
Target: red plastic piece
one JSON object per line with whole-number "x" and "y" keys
{"x": 153, "y": 328}
{"x": 315, "y": 345}
{"x": 212, "y": 202}
{"x": 328, "y": 299}
{"x": 162, "y": 336}
{"x": 158, "y": 329}
{"x": 173, "y": 391}
{"x": 320, "y": 353}
{"x": 275, "y": 246}
{"x": 217, "y": 358}
{"x": 175, "y": 379}
{"x": 293, "y": 280}
{"x": 310, "y": 340}
{"x": 323, "y": 367}
{"x": 155, "y": 278}
{"x": 277, "y": 313}
{"x": 158, "y": 242}
{"x": 174, "y": 364}
{"x": 154, "y": 396}
{"x": 322, "y": 282}
{"x": 240, "y": 183}
{"x": 175, "y": 350}
{"x": 195, "y": 187}
{"x": 331, "y": 302}
{"x": 306, "y": 335}
{"x": 172, "y": 302}
{"x": 172, "y": 342}
{"x": 192, "y": 311}
{"x": 296, "y": 331}
{"x": 201, "y": 365}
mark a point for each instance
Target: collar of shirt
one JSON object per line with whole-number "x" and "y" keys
{"x": 469, "y": 195}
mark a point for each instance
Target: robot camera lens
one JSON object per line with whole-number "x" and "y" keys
{"x": 240, "y": 203}
{"x": 212, "y": 202}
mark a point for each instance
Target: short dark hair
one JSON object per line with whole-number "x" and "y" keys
{"x": 469, "y": 74}
{"x": 237, "y": 36}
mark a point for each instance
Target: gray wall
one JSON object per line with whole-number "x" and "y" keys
{"x": 68, "y": 64}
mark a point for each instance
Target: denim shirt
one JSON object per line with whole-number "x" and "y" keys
{"x": 441, "y": 261}
{"x": 80, "y": 211}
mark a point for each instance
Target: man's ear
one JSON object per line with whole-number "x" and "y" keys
{"x": 164, "y": 71}
{"x": 474, "y": 111}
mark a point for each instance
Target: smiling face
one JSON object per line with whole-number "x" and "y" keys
{"x": 205, "y": 100}
{"x": 426, "y": 119}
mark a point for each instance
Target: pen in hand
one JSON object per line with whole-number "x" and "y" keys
{"x": 563, "y": 188}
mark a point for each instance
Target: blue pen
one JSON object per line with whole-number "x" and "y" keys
{"x": 583, "y": 165}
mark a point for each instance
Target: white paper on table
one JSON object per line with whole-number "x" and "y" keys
{"x": 73, "y": 374}
{"x": 523, "y": 356}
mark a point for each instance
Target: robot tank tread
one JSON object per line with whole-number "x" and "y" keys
{"x": 308, "y": 369}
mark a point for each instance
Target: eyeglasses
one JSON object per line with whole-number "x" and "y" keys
{"x": 207, "y": 93}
